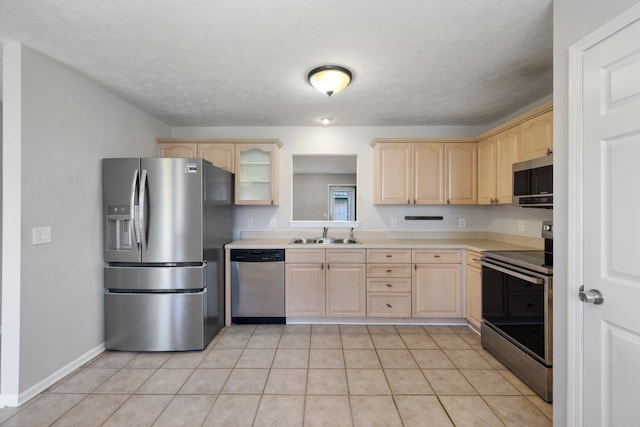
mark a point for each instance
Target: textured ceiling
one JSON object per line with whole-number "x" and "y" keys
{"x": 244, "y": 63}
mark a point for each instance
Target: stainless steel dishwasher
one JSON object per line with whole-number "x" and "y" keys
{"x": 257, "y": 286}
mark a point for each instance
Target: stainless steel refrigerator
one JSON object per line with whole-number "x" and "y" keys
{"x": 166, "y": 222}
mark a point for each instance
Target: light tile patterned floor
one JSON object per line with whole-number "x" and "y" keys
{"x": 296, "y": 375}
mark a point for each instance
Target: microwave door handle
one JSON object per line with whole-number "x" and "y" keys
{"x": 530, "y": 279}
{"x": 142, "y": 201}
{"x": 133, "y": 207}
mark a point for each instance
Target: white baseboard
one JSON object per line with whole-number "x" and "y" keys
{"x": 33, "y": 391}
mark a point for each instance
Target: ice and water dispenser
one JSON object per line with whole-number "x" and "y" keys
{"x": 119, "y": 228}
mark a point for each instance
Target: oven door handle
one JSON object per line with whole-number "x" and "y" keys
{"x": 508, "y": 271}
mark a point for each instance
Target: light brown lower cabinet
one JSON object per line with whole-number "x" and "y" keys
{"x": 304, "y": 283}
{"x": 346, "y": 290}
{"x": 473, "y": 290}
{"x": 392, "y": 283}
{"x": 389, "y": 282}
{"x": 325, "y": 284}
{"x": 389, "y": 297}
{"x": 436, "y": 284}
{"x": 389, "y": 304}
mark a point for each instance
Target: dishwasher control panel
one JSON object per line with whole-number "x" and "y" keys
{"x": 257, "y": 255}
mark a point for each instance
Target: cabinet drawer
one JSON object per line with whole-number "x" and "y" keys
{"x": 389, "y": 255}
{"x": 304, "y": 255}
{"x": 473, "y": 259}
{"x": 388, "y": 270}
{"x": 447, "y": 256}
{"x": 345, "y": 255}
{"x": 389, "y": 285}
{"x": 388, "y": 304}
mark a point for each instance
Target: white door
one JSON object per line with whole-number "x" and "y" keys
{"x": 611, "y": 228}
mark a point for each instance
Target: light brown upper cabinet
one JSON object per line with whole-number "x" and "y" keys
{"x": 220, "y": 154}
{"x": 428, "y": 173}
{"x": 424, "y": 173}
{"x": 461, "y": 166}
{"x": 392, "y": 173}
{"x": 496, "y": 155}
{"x": 177, "y": 149}
{"x": 537, "y": 136}
{"x": 257, "y": 174}
{"x": 253, "y": 161}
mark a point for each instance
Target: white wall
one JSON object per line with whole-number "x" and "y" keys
{"x": 573, "y": 20}
{"x": 68, "y": 125}
{"x": 355, "y": 140}
{"x": 0, "y": 204}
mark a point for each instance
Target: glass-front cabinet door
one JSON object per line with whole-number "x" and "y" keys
{"x": 257, "y": 174}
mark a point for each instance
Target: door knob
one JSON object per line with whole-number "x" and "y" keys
{"x": 592, "y": 296}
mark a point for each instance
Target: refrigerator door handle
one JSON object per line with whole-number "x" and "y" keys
{"x": 134, "y": 207}
{"x": 142, "y": 208}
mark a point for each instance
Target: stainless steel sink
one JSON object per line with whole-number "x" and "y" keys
{"x": 303, "y": 241}
{"x": 325, "y": 240}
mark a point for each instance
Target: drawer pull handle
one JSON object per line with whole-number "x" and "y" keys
{"x": 389, "y": 256}
{"x": 389, "y": 285}
{"x": 436, "y": 256}
{"x": 389, "y": 305}
{"x": 389, "y": 271}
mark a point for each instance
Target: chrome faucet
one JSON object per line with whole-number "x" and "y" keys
{"x": 324, "y": 232}
{"x": 351, "y": 234}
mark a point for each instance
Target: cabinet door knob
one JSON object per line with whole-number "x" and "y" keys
{"x": 389, "y": 305}
{"x": 549, "y": 151}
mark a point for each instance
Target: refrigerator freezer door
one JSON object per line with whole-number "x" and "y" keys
{"x": 155, "y": 322}
{"x": 171, "y": 210}
{"x": 120, "y": 180}
{"x": 145, "y": 278}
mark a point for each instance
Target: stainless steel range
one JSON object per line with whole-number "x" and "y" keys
{"x": 517, "y": 316}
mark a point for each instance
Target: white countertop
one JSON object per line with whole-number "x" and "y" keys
{"x": 474, "y": 244}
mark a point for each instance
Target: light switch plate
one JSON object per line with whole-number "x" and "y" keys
{"x": 41, "y": 235}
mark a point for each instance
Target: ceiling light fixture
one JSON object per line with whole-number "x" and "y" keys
{"x": 326, "y": 120}
{"x": 329, "y": 79}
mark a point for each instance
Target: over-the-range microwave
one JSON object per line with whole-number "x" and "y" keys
{"x": 533, "y": 183}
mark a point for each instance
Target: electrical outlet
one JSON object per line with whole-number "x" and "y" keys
{"x": 41, "y": 235}
{"x": 273, "y": 222}
{"x": 521, "y": 225}
{"x": 250, "y": 223}
{"x": 462, "y": 223}
{"x": 394, "y": 222}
